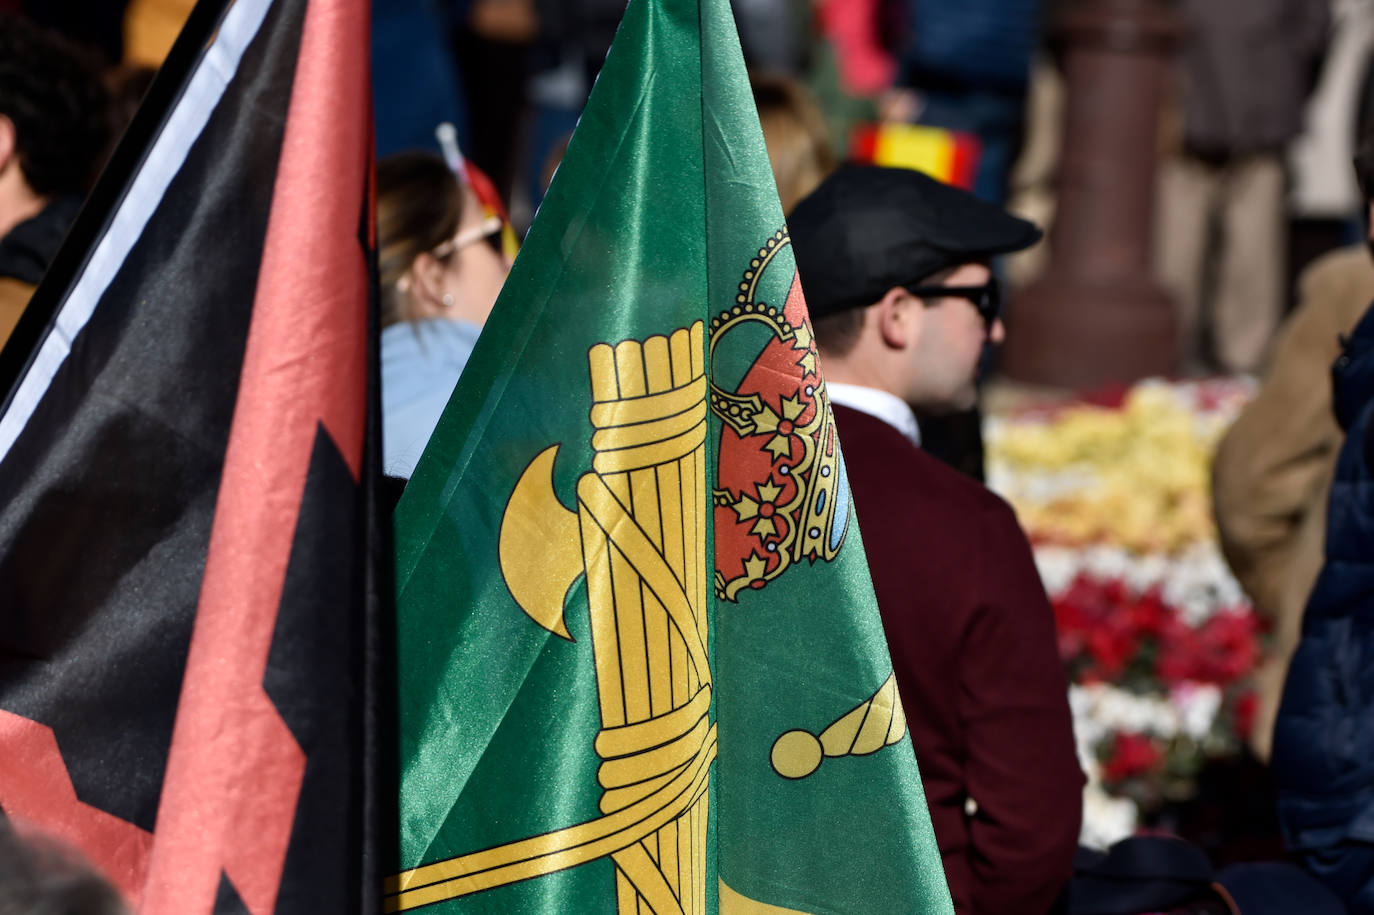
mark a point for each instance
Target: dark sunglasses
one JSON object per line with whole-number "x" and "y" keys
{"x": 987, "y": 299}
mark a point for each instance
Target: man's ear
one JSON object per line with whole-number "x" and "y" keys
{"x": 898, "y": 316}
{"x": 8, "y": 141}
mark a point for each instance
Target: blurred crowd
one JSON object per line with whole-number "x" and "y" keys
{"x": 1260, "y": 235}
{"x": 1262, "y": 109}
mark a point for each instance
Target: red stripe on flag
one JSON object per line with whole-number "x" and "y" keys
{"x": 863, "y": 145}
{"x": 967, "y": 152}
{"x": 485, "y": 191}
{"x": 234, "y": 772}
{"x": 36, "y": 788}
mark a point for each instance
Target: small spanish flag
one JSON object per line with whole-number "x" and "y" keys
{"x": 950, "y": 156}
{"x": 482, "y": 187}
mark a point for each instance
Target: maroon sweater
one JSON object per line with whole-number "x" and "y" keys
{"x": 973, "y": 644}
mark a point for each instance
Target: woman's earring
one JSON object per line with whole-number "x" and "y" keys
{"x": 448, "y": 300}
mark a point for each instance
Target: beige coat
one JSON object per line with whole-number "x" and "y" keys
{"x": 150, "y": 27}
{"x": 1273, "y": 469}
{"x": 14, "y": 296}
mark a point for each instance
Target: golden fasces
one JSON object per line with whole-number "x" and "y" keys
{"x": 639, "y": 537}
{"x": 643, "y": 518}
{"x": 879, "y": 722}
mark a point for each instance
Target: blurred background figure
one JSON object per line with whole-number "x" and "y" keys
{"x": 1323, "y": 200}
{"x": 54, "y": 131}
{"x": 795, "y": 132}
{"x": 966, "y": 67}
{"x": 775, "y": 34}
{"x": 1247, "y": 67}
{"x": 573, "y": 37}
{"x": 415, "y": 79}
{"x": 1273, "y": 469}
{"x": 496, "y": 44}
{"x": 441, "y": 268}
{"x": 39, "y": 877}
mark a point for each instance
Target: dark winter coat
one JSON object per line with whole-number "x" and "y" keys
{"x": 1323, "y": 759}
{"x": 970, "y": 45}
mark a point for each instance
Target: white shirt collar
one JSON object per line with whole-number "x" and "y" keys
{"x": 890, "y": 408}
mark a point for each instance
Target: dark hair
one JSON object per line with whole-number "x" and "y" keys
{"x": 40, "y": 877}
{"x": 419, "y": 206}
{"x": 837, "y": 333}
{"x": 60, "y": 110}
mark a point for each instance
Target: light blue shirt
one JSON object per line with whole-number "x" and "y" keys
{"x": 421, "y": 362}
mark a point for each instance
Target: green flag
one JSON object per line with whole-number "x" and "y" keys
{"x": 641, "y": 666}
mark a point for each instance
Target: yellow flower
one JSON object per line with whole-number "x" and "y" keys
{"x": 1138, "y": 476}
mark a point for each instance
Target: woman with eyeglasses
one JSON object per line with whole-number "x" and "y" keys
{"x": 441, "y": 269}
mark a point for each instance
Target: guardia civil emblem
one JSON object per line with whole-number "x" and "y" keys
{"x": 638, "y": 536}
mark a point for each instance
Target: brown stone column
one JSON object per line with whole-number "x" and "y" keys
{"x": 1097, "y": 315}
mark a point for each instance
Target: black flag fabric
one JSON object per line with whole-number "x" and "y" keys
{"x": 188, "y": 450}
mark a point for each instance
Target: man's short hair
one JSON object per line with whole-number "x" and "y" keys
{"x": 59, "y": 108}
{"x": 836, "y": 334}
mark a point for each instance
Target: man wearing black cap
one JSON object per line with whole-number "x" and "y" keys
{"x": 895, "y": 270}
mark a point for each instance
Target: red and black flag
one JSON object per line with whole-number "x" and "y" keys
{"x": 187, "y": 456}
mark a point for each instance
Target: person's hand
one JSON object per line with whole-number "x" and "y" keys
{"x": 902, "y": 106}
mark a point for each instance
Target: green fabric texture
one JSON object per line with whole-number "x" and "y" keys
{"x": 762, "y": 759}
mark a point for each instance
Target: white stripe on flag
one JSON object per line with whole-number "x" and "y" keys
{"x": 188, "y": 119}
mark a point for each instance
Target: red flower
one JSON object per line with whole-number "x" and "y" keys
{"x": 1246, "y": 708}
{"x": 1093, "y": 628}
{"x": 1132, "y": 754}
{"x": 1220, "y": 651}
{"x": 1071, "y": 625}
{"x": 1176, "y": 661}
{"x": 1111, "y": 396}
{"x": 1101, "y": 625}
{"x": 1112, "y": 644}
{"x": 1149, "y": 614}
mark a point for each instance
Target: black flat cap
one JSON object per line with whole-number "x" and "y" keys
{"x": 869, "y": 228}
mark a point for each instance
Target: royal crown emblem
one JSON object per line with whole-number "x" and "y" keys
{"x": 781, "y": 495}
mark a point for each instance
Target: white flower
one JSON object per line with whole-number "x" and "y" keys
{"x": 1058, "y": 567}
{"x": 1200, "y": 584}
{"x": 1101, "y": 709}
{"x": 1197, "y": 705}
{"x": 1106, "y": 819}
{"x": 1106, "y": 562}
